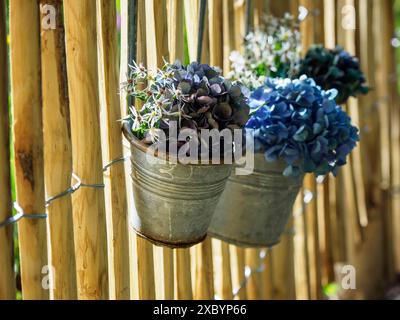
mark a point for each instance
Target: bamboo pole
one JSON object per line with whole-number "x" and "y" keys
{"x": 192, "y": 12}
{"x": 363, "y": 246}
{"x": 254, "y": 284}
{"x": 126, "y": 16}
{"x": 144, "y": 250}
{"x": 28, "y": 143}
{"x": 58, "y": 157}
{"x": 268, "y": 276}
{"x": 308, "y": 29}
{"x": 240, "y": 267}
{"x": 115, "y": 181}
{"x": 282, "y": 256}
{"x": 301, "y": 269}
{"x": 283, "y": 285}
{"x": 157, "y": 53}
{"x": 191, "y": 8}
{"x": 239, "y": 18}
{"x": 183, "y": 274}
{"x": 279, "y": 7}
{"x": 228, "y": 33}
{"x": 204, "y": 270}
{"x": 88, "y": 203}
{"x": 353, "y": 107}
{"x": 395, "y": 138}
{"x": 369, "y": 112}
{"x": 330, "y": 23}
{"x": 260, "y": 9}
{"x": 311, "y": 215}
{"x": 204, "y": 284}
{"x": 157, "y": 33}
{"x": 383, "y": 70}
{"x": 335, "y": 217}
{"x": 216, "y": 32}
{"x": 175, "y": 29}
{"x": 145, "y": 269}
{"x": 7, "y": 276}
{"x": 226, "y": 282}
{"x": 176, "y": 44}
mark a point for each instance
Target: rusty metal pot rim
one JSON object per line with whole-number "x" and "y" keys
{"x": 143, "y": 147}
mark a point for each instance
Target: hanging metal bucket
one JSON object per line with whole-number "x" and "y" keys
{"x": 174, "y": 203}
{"x": 254, "y": 210}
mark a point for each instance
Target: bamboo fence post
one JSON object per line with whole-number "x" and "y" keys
{"x": 259, "y": 12}
{"x": 324, "y": 267}
{"x": 7, "y": 276}
{"x": 176, "y": 44}
{"x": 175, "y": 30}
{"x": 311, "y": 216}
{"x": 157, "y": 53}
{"x": 145, "y": 269}
{"x": 217, "y": 32}
{"x": 240, "y": 27}
{"x": 348, "y": 205}
{"x": 268, "y": 276}
{"x": 204, "y": 271}
{"x": 282, "y": 256}
{"x": 157, "y": 33}
{"x": 239, "y": 265}
{"x": 183, "y": 274}
{"x": 58, "y": 157}
{"x": 353, "y": 107}
{"x": 369, "y": 125}
{"x": 228, "y": 30}
{"x": 28, "y": 143}
{"x": 124, "y": 52}
{"x": 324, "y": 35}
{"x": 335, "y": 218}
{"x": 191, "y": 8}
{"x": 226, "y": 282}
{"x": 395, "y": 138}
{"x": 282, "y": 280}
{"x": 254, "y": 284}
{"x": 88, "y": 203}
{"x": 222, "y": 270}
{"x": 301, "y": 270}
{"x": 204, "y": 284}
{"x": 383, "y": 70}
{"x": 330, "y": 23}
{"x": 237, "y": 22}
{"x": 144, "y": 249}
{"x": 308, "y": 28}
{"x": 115, "y": 180}
{"x": 279, "y": 7}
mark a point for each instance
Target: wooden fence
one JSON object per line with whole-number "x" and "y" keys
{"x": 64, "y": 84}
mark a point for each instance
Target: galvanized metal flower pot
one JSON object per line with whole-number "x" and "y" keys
{"x": 254, "y": 210}
{"x": 174, "y": 203}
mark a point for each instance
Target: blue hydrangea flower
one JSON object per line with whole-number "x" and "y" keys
{"x": 296, "y": 121}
